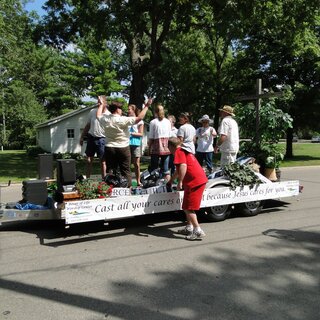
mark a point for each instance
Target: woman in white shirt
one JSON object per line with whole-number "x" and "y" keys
{"x": 186, "y": 133}
{"x": 205, "y": 135}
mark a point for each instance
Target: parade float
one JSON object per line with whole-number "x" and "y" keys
{"x": 238, "y": 188}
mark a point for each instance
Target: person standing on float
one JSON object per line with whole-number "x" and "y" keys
{"x": 228, "y": 142}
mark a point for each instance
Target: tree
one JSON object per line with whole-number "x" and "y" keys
{"x": 18, "y": 100}
{"x": 142, "y": 27}
{"x": 273, "y": 125}
{"x": 24, "y": 114}
{"x": 284, "y": 40}
{"x": 90, "y": 70}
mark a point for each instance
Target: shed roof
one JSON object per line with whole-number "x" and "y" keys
{"x": 55, "y": 120}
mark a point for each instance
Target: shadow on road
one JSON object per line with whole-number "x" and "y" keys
{"x": 221, "y": 284}
{"x": 55, "y": 234}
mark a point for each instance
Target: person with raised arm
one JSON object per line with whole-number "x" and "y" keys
{"x": 95, "y": 139}
{"x": 117, "y": 149}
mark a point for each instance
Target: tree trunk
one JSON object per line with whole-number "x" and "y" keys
{"x": 216, "y": 114}
{"x": 138, "y": 87}
{"x": 216, "y": 111}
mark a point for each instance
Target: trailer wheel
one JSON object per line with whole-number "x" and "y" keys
{"x": 249, "y": 209}
{"x": 217, "y": 213}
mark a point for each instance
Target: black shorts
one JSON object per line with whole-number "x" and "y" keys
{"x": 95, "y": 145}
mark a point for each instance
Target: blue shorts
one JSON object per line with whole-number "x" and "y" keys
{"x": 164, "y": 163}
{"x": 95, "y": 145}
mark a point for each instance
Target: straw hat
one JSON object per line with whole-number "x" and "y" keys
{"x": 228, "y": 109}
{"x": 205, "y": 118}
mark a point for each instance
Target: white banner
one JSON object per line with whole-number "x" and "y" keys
{"x": 134, "y": 205}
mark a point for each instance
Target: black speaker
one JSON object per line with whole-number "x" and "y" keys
{"x": 35, "y": 191}
{"x": 45, "y": 166}
{"x": 66, "y": 173}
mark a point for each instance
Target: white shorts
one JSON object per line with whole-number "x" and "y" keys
{"x": 227, "y": 158}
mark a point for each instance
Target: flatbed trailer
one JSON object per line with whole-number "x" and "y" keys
{"x": 216, "y": 202}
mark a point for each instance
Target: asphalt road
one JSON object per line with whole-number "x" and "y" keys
{"x": 263, "y": 267}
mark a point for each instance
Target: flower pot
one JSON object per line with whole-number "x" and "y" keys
{"x": 270, "y": 173}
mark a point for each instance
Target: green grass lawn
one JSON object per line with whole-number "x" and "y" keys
{"x": 305, "y": 154}
{"x": 16, "y": 166}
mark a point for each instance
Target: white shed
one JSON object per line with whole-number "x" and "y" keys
{"x": 62, "y": 134}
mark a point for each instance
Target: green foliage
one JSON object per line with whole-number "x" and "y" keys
{"x": 267, "y": 155}
{"x": 273, "y": 125}
{"x": 23, "y": 112}
{"x": 273, "y": 122}
{"x": 33, "y": 151}
{"x": 69, "y": 155}
{"x": 240, "y": 175}
{"x": 52, "y": 188}
{"x": 208, "y": 53}
{"x": 90, "y": 189}
{"x": 90, "y": 71}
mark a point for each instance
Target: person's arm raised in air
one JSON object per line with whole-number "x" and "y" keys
{"x": 102, "y": 103}
{"x": 144, "y": 111}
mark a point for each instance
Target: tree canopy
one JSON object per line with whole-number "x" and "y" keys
{"x": 192, "y": 55}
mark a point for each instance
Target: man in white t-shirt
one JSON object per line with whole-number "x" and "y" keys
{"x": 116, "y": 127}
{"x": 95, "y": 139}
{"x": 228, "y": 142}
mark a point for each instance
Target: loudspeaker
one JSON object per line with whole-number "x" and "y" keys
{"x": 35, "y": 191}
{"x": 66, "y": 173}
{"x": 45, "y": 166}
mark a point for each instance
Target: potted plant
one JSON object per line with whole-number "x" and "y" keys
{"x": 273, "y": 124}
{"x": 91, "y": 189}
{"x": 273, "y": 161}
{"x": 267, "y": 155}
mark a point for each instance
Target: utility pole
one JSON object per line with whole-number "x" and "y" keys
{"x": 257, "y": 108}
{"x": 4, "y": 137}
{"x": 2, "y": 82}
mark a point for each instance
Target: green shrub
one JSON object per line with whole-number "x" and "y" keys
{"x": 68, "y": 155}
{"x": 33, "y": 151}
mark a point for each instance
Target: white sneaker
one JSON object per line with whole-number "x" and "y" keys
{"x": 196, "y": 235}
{"x": 185, "y": 231}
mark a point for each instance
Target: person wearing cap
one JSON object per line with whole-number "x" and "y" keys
{"x": 228, "y": 142}
{"x": 205, "y": 135}
{"x": 95, "y": 139}
{"x": 117, "y": 150}
{"x": 186, "y": 133}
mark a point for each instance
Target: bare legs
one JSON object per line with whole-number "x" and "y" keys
{"x": 136, "y": 163}
{"x": 102, "y": 165}
{"x": 103, "y": 168}
{"x": 192, "y": 219}
{"x": 89, "y": 166}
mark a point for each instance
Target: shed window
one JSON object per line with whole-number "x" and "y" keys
{"x": 70, "y": 133}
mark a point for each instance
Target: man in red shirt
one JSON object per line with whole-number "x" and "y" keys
{"x": 192, "y": 179}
